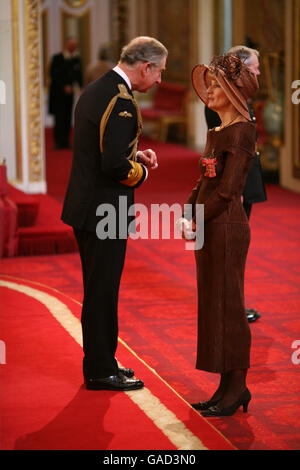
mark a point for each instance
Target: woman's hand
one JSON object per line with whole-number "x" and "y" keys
{"x": 187, "y": 228}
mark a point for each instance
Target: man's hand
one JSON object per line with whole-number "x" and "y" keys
{"x": 148, "y": 158}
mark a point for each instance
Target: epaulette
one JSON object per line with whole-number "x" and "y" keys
{"x": 123, "y": 94}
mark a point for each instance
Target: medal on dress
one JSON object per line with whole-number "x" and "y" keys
{"x": 210, "y": 164}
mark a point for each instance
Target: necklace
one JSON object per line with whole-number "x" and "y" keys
{"x": 228, "y": 124}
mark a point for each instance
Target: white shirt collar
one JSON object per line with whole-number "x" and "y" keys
{"x": 69, "y": 55}
{"x": 121, "y": 72}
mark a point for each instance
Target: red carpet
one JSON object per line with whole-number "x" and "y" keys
{"x": 58, "y": 167}
{"x": 158, "y": 321}
{"x": 44, "y": 405}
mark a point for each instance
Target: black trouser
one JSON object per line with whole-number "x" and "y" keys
{"x": 247, "y": 207}
{"x": 102, "y": 265}
{"x": 62, "y": 121}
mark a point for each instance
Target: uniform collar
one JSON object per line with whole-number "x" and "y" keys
{"x": 121, "y": 72}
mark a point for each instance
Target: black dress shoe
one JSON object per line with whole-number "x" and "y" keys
{"x": 252, "y": 315}
{"x": 204, "y": 405}
{"x": 127, "y": 372}
{"x": 215, "y": 411}
{"x": 114, "y": 382}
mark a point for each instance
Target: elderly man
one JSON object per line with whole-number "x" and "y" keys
{"x": 106, "y": 167}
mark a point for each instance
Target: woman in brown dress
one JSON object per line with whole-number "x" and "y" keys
{"x": 223, "y": 332}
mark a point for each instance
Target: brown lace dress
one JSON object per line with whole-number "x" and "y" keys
{"x": 223, "y": 332}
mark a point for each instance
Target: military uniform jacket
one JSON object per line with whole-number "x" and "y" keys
{"x": 104, "y": 167}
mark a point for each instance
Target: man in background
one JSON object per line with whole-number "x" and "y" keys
{"x": 65, "y": 72}
{"x": 103, "y": 65}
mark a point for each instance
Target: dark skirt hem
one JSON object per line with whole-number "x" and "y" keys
{"x": 219, "y": 371}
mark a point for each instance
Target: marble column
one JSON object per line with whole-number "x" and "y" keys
{"x": 22, "y": 133}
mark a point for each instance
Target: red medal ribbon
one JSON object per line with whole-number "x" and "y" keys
{"x": 210, "y": 164}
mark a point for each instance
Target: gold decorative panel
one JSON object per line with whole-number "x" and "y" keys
{"x": 174, "y": 31}
{"x": 264, "y": 29}
{"x": 16, "y": 48}
{"x": 33, "y": 85}
{"x": 119, "y": 12}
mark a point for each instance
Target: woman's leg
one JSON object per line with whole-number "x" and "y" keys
{"x": 235, "y": 386}
{"x": 217, "y": 396}
{"x": 221, "y": 390}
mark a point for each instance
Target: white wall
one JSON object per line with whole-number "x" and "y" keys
{"x": 100, "y": 31}
{"x": 205, "y": 22}
{"x": 7, "y": 105}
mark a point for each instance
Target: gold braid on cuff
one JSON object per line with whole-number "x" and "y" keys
{"x": 134, "y": 175}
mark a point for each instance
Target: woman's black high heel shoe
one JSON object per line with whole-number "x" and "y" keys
{"x": 215, "y": 411}
{"x": 204, "y": 405}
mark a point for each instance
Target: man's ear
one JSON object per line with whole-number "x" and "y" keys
{"x": 146, "y": 67}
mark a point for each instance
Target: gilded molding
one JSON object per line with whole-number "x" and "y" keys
{"x": 17, "y": 92}
{"x": 33, "y": 81}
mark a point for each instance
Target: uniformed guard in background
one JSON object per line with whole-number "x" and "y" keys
{"x": 106, "y": 167}
{"x": 65, "y": 72}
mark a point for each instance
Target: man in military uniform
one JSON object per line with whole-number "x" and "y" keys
{"x": 254, "y": 190}
{"x": 107, "y": 166}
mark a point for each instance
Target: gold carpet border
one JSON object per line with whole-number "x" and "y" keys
{"x": 164, "y": 419}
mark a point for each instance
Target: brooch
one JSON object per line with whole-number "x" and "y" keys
{"x": 125, "y": 114}
{"x": 210, "y": 164}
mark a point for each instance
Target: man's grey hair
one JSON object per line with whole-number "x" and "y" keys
{"x": 143, "y": 49}
{"x": 244, "y": 53}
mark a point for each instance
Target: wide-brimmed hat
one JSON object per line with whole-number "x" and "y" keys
{"x": 234, "y": 77}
